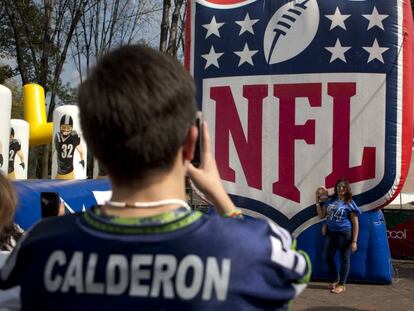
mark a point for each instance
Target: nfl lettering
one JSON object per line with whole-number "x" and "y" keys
{"x": 294, "y": 98}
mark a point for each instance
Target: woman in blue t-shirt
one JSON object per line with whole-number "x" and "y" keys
{"x": 341, "y": 214}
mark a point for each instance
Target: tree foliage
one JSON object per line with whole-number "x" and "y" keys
{"x": 17, "y": 98}
{"x": 36, "y": 37}
{"x": 38, "y": 34}
{"x": 172, "y": 26}
{"x": 110, "y": 23}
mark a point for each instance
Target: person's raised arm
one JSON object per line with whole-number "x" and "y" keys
{"x": 320, "y": 210}
{"x": 207, "y": 178}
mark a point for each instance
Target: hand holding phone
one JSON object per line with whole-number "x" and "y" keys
{"x": 207, "y": 179}
{"x": 197, "y": 152}
{"x": 50, "y": 204}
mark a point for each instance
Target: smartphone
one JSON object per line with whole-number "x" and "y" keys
{"x": 197, "y": 152}
{"x": 49, "y": 204}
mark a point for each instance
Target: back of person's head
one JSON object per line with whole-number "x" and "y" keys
{"x": 136, "y": 108}
{"x": 9, "y": 231}
{"x": 8, "y": 201}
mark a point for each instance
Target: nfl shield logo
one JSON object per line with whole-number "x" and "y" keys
{"x": 298, "y": 94}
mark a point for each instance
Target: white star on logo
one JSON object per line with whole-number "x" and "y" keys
{"x": 338, "y": 51}
{"x": 246, "y": 24}
{"x": 212, "y": 58}
{"x": 338, "y": 19}
{"x": 375, "y": 51}
{"x": 213, "y": 27}
{"x": 246, "y": 55}
{"x": 375, "y": 19}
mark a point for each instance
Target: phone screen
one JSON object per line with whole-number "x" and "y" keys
{"x": 49, "y": 204}
{"x": 197, "y": 152}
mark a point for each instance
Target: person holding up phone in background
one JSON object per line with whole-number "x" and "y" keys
{"x": 51, "y": 205}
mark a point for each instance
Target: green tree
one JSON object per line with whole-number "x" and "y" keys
{"x": 6, "y": 72}
{"x": 17, "y": 98}
{"x": 37, "y": 35}
{"x": 172, "y": 26}
{"x": 110, "y": 23}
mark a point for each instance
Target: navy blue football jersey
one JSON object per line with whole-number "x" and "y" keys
{"x": 196, "y": 262}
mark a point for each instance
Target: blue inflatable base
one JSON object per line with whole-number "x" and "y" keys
{"x": 372, "y": 261}
{"x": 77, "y": 194}
{"x": 370, "y": 264}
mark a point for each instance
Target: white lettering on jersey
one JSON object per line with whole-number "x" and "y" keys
{"x": 117, "y": 265}
{"x": 74, "y": 274}
{"x": 216, "y": 280}
{"x": 140, "y": 271}
{"x": 164, "y": 269}
{"x": 93, "y": 287}
{"x": 153, "y": 276}
{"x": 194, "y": 263}
{"x": 52, "y": 283}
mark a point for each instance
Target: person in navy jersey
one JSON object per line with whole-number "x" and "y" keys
{"x": 145, "y": 248}
{"x": 341, "y": 214}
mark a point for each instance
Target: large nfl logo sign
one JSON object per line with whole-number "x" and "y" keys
{"x": 298, "y": 94}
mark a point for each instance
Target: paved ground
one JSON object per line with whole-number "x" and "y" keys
{"x": 398, "y": 296}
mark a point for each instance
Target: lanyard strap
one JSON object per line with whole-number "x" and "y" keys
{"x": 148, "y": 204}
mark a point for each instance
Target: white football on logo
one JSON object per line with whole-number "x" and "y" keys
{"x": 290, "y": 30}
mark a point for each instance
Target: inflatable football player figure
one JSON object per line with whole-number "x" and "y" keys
{"x": 67, "y": 140}
{"x": 15, "y": 148}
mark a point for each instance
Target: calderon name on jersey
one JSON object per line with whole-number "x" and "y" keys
{"x": 143, "y": 275}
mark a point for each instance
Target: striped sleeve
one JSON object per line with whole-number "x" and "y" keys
{"x": 353, "y": 208}
{"x": 284, "y": 255}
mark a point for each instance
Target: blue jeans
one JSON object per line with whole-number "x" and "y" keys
{"x": 338, "y": 241}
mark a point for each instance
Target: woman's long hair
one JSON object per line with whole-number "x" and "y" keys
{"x": 348, "y": 194}
{"x": 8, "y": 202}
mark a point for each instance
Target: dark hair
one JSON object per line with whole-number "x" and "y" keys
{"x": 8, "y": 202}
{"x": 9, "y": 235}
{"x": 348, "y": 194}
{"x": 136, "y": 107}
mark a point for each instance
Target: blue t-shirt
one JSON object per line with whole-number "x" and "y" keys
{"x": 337, "y": 214}
{"x": 191, "y": 261}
